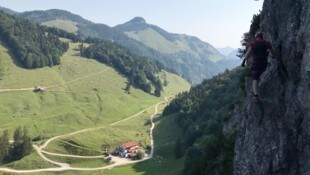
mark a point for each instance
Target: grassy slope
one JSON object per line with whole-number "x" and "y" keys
{"x": 89, "y": 95}
{"x": 68, "y": 26}
{"x": 134, "y": 129}
{"x": 33, "y": 160}
{"x": 153, "y": 39}
{"x": 165, "y": 135}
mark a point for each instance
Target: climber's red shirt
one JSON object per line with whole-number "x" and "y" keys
{"x": 260, "y": 50}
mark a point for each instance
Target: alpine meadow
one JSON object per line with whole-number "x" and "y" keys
{"x": 155, "y": 88}
{"x": 78, "y": 95}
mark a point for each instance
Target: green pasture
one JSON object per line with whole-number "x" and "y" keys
{"x": 80, "y": 93}
{"x": 66, "y": 25}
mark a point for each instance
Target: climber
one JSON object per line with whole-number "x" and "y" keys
{"x": 259, "y": 49}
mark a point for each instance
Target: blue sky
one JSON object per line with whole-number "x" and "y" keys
{"x": 218, "y": 22}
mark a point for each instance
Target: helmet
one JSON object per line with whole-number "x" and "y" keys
{"x": 259, "y": 35}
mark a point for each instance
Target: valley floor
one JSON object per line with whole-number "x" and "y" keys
{"x": 80, "y": 95}
{"x": 65, "y": 166}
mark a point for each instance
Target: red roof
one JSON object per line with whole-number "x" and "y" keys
{"x": 130, "y": 144}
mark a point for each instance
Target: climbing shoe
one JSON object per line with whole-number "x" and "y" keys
{"x": 255, "y": 98}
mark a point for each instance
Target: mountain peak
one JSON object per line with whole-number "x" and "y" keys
{"x": 138, "y": 20}
{"x": 9, "y": 11}
{"x": 136, "y": 24}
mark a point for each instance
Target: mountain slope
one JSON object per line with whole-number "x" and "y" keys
{"x": 84, "y": 28}
{"x": 8, "y": 11}
{"x": 139, "y": 70}
{"x": 166, "y": 42}
{"x": 66, "y": 25}
{"x": 201, "y": 113}
{"x": 270, "y": 137}
{"x": 36, "y": 46}
{"x": 186, "y": 51}
{"x": 225, "y": 50}
{"x": 273, "y": 136}
{"x": 78, "y": 91}
{"x": 181, "y": 52}
{"x": 41, "y": 16}
{"x": 233, "y": 55}
{"x": 32, "y": 46}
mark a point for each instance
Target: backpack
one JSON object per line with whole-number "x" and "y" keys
{"x": 260, "y": 51}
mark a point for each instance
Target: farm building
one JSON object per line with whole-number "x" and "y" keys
{"x": 127, "y": 149}
{"x": 129, "y": 145}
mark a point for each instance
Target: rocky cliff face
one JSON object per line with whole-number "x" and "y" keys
{"x": 274, "y": 136}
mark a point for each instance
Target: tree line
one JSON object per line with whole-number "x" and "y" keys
{"x": 63, "y": 34}
{"x": 19, "y": 148}
{"x": 35, "y": 46}
{"x": 139, "y": 70}
{"x": 31, "y": 44}
{"x": 201, "y": 114}
{"x": 248, "y": 36}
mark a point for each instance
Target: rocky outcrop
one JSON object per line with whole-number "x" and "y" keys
{"x": 274, "y": 136}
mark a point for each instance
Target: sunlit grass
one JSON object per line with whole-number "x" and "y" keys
{"x": 33, "y": 161}
{"x": 81, "y": 93}
{"x": 68, "y": 26}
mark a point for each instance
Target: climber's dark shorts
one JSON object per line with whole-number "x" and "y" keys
{"x": 257, "y": 69}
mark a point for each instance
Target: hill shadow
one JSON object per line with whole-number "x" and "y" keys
{"x": 13, "y": 56}
{"x": 163, "y": 162}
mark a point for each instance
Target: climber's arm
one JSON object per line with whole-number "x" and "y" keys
{"x": 246, "y": 56}
{"x": 272, "y": 53}
{"x": 270, "y": 49}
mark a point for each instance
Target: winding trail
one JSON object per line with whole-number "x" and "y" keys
{"x": 77, "y": 79}
{"x": 21, "y": 89}
{"x": 64, "y": 166}
{"x": 57, "y": 85}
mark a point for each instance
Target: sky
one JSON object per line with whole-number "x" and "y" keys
{"x": 218, "y": 22}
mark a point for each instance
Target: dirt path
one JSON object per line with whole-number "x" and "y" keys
{"x": 64, "y": 166}
{"x": 77, "y": 79}
{"x": 21, "y": 89}
{"x": 53, "y": 86}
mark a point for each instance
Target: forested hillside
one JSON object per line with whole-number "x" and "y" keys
{"x": 201, "y": 113}
{"x": 190, "y": 51}
{"x": 40, "y": 16}
{"x": 89, "y": 29}
{"x": 184, "y": 52}
{"x": 139, "y": 70}
{"x": 37, "y": 46}
{"x": 270, "y": 137}
{"x": 31, "y": 45}
{"x": 9, "y": 11}
{"x": 78, "y": 94}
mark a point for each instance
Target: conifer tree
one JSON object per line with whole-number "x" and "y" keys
{"x": 128, "y": 87}
{"x": 157, "y": 92}
{"x": 22, "y": 144}
{"x": 4, "y": 146}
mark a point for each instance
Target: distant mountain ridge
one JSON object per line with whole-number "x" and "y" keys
{"x": 9, "y": 11}
{"x": 194, "y": 59}
{"x": 225, "y": 50}
{"x": 188, "y": 51}
{"x": 233, "y": 55}
{"x": 41, "y": 16}
{"x": 138, "y": 29}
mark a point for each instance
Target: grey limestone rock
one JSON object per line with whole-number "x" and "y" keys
{"x": 274, "y": 136}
